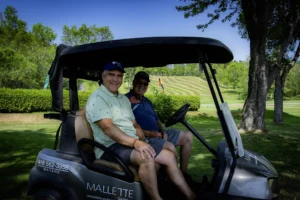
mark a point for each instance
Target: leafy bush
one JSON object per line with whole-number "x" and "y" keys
{"x": 179, "y": 101}
{"x": 20, "y": 100}
{"x": 163, "y": 105}
{"x": 166, "y": 105}
{"x": 25, "y": 101}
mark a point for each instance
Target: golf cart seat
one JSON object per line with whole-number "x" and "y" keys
{"x": 86, "y": 144}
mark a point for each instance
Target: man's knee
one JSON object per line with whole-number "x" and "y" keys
{"x": 137, "y": 160}
{"x": 169, "y": 146}
{"x": 185, "y": 138}
{"x": 168, "y": 156}
{"x": 148, "y": 163}
{"x": 189, "y": 137}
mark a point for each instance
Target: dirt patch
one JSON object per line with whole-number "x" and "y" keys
{"x": 23, "y": 117}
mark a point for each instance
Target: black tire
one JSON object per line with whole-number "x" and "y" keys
{"x": 48, "y": 194}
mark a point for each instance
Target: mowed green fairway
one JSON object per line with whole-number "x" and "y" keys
{"x": 180, "y": 85}
{"x": 184, "y": 86}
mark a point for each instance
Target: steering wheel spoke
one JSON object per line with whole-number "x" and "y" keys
{"x": 178, "y": 116}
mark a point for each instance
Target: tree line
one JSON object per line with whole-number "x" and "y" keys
{"x": 272, "y": 27}
{"x": 26, "y": 55}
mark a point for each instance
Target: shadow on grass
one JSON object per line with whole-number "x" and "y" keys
{"x": 19, "y": 150}
{"x": 283, "y": 151}
{"x": 281, "y": 146}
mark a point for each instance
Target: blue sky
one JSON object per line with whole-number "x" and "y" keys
{"x": 126, "y": 19}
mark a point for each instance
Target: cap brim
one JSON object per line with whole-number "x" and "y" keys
{"x": 142, "y": 77}
{"x": 118, "y": 68}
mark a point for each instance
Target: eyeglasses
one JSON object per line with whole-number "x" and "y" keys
{"x": 142, "y": 83}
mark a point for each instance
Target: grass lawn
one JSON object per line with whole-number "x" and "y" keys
{"x": 21, "y": 140}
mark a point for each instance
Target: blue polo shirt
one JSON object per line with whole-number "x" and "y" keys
{"x": 143, "y": 111}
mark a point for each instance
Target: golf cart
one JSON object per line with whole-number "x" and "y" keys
{"x": 70, "y": 170}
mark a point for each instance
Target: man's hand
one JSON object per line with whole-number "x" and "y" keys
{"x": 164, "y": 136}
{"x": 152, "y": 134}
{"x": 145, "y": 149}
{"x": 156, "y": 134}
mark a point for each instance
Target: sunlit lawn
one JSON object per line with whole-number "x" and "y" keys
{"x": 20, "y": 143}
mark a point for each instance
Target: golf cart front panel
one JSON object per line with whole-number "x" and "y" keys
{"x": 75, "y": 181}
{"x": 254, "y": 176}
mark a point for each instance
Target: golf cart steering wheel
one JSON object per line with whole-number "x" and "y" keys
{"x": 178, "y": 116}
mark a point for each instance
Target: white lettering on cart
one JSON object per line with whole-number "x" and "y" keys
{"x": 105, "y": 189}
{"x": 53, "y": 167}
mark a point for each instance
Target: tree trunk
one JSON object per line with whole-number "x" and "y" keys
{"x": 255, "y": 105}
{"x": 279, "y": 88}
{"x": 256, "y": 13}
{"x": 278, "y": 100}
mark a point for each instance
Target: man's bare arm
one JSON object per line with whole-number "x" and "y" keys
{"x": 139, "y": 130}
{"x": 120, "y": 137}
{"x": 115, "y": 133}
{"x": 152, "y": 134}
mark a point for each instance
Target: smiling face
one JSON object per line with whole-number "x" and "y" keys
{"x": 112, "y": 80}
{"x": 140, "y": 86}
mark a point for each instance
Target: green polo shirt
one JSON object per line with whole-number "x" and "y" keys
{"x": 103, "y": 104}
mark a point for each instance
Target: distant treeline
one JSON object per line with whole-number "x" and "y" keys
{"x": 26, "y": 56}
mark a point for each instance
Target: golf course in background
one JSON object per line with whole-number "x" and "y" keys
{"x": 22, "y": 136}
{"x": 180, "y": 85}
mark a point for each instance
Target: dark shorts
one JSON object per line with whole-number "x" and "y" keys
{"x": 173, "y": 135}
{"x": 157, "y": 143}
{"x": 124, "y": 152}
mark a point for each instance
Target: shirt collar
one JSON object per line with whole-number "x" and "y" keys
{"x": 109, "y": 93}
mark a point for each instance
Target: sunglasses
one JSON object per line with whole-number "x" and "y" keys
{"x": 142, "y": 83}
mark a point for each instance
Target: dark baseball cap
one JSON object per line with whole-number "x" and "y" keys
{"x": 113, "y": 65}
{"x": 142, "y": 75}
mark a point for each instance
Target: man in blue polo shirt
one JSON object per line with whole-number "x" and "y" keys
{"x": 148, "y": 120}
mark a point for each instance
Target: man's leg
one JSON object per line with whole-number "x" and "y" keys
{"x": 147, "y": 173}
{"x": 169, "y": 146}
{"x": 185, "y": 141}
{"x": 163, "y": 144}
{"x": 167, "y": 158}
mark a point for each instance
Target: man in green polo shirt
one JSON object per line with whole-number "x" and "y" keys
{"x": 114, "y": 126}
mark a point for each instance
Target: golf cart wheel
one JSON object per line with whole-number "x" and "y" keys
{"x": 48, "y": 194}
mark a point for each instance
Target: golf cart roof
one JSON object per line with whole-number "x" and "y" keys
{"x": 146, "y": 52}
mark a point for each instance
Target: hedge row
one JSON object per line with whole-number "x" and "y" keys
{"x": 25, "y": 101}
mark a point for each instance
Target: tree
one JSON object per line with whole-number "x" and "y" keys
{"x": 13, "y": 41}
{"x": 254, "y": 20}
{"x": 43, "y": 34}
{"x": 25, "y": 56}
{"x": 279, "y": 86}
{"x": 192, "y": 69}
{"x": 13, "y": 31}
{"x": 129, "y": 75}
{"x": 293, "y": 81}
{"x": 84, "y": 34}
